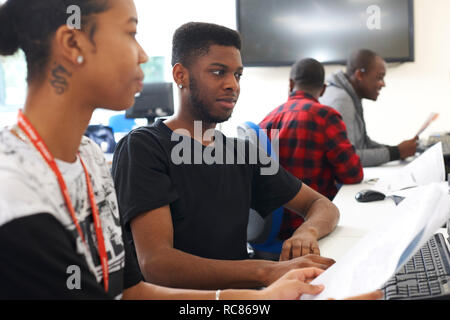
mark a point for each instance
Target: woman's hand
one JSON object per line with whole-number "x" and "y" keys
{"x": 293, "y": 284}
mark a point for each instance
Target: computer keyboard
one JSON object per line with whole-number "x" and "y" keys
{"x": 446, "y": 147}
{"x": 445, "y": 139}
{"x": 425, "y": 276}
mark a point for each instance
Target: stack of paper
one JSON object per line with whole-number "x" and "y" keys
{"x": 374, "y": 259}
{"x": 427, "y": 168}
{"x": 433, "y": 116}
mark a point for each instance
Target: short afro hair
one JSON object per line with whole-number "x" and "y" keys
{"x": 194, "y": 39}
{"x": 360, "y": 59}
{"x": 308, "y": 73}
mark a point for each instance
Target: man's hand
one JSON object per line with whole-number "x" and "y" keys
{"x": 408, "y": 148}
{"x": 302, "y": 243}
{"x": 278, "y": 269}
{"x": 321, "y": 217}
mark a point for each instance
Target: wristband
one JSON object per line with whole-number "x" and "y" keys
{"x": 217, "y": 295}
{"x": 394, "y": 153}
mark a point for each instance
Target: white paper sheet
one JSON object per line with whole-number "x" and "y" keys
{"x": 433, "y": 116}
{"x": 427, "y": 168}
{"x": 377, "y": 256}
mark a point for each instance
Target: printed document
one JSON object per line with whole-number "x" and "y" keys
{"x": 427, "y": 168}
{"x": 433, "y": 116}
{"x": 385, "y": 249}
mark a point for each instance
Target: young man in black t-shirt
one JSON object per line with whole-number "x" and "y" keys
{"x": 53, "y": 243}
{"x": 187, "y": 215}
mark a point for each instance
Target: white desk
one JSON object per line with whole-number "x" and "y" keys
{"x": 357, "y": 219}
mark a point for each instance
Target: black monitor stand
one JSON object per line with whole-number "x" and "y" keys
{"x": 152, "y": 120}
{"x": 154, "y": 101}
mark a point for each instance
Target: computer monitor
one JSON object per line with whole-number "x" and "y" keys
{"x": 2, "y": 86}
{"x": 448, "y": 228}
{"x": 280, "y": 32}
{"x": 155, "y": 101}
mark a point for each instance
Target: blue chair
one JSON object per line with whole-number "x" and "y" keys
{"x": 103, "y": 136}
{"x": 120, "y": 124}
{"x": 262, "y": 233}
{"x": 2, "y": 86}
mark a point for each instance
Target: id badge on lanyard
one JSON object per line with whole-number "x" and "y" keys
{"x": 39, "y": 144}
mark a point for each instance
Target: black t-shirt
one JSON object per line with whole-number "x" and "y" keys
{"x": 209, "y": 202}
{"x": 39, "y": 260}
{"x": 42, "y": 255}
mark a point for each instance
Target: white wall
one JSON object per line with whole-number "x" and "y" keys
{"x": 413, "y": 89}
{"x": 158, "y": 20}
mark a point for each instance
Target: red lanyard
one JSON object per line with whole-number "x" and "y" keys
{"x": 37, "y": 141}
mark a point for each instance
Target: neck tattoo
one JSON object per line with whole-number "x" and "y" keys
{"x": 59, "y": 76}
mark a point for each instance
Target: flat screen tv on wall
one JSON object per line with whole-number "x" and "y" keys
{"x": 279, "y": 32}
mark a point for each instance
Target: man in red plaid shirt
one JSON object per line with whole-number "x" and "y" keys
{"x": 313, "y": 143}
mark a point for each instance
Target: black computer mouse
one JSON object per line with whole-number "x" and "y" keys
{"x": 368, "y": 195}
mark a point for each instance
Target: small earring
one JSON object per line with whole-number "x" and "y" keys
{"x": 180, "y": 86}
{"x": 80, "y": 59}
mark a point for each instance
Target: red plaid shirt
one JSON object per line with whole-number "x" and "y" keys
{"x": 314, "y": 147}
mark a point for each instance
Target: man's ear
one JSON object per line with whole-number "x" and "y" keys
{"x": 291, "y": 85}
{"x": 180, "y": 75}
{"x": 359, "y": 74}
{"x": 68, "y": 44}
{"x": 323, "y": 90}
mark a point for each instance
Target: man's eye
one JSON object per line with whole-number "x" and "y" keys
{"x": 238, "y": 76}
{"x": 218, "y": 72}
